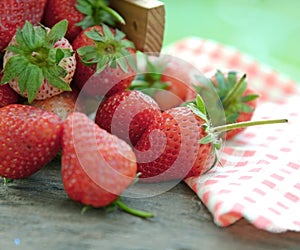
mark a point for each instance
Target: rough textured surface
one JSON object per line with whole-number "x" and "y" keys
{"x": 37, "y": 214}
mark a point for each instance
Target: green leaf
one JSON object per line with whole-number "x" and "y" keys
{"x": 14, "y": 66}
{"x": 52, "y": 76}
{"x": 28, "y": 35}
{"x": 119, "y": 35}
{"x": 40, "y": 37}
{"x": 221, "y": 80}
{"x": 206, "y": 140}
{"x": 231, "y": 117}
{"x": 122, "y": 63}
{"x": 197, "y": 112}
{"x": 232, "y": 78}
{"x": 102, "y": 64}
{"x": 127, "y": 44}
{"x": 248, "y": 98}
{"x": 95, "y": 35}
{"x": 34, "y": 81}
{"x": 31, "y": 80}
{"x": 20, "y": 41}
{"x": 88, "y": 55}
{"x": 15, "y": 49}
{"x": 57, "y": 32}
{"x": 107, "y": 32}
{"x": 59, "y": 55}
{"x": 84, "y": 7}
{"x": 200, "y": 104}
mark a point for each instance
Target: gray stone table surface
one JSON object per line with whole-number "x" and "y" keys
{"x": 36, "y": 213}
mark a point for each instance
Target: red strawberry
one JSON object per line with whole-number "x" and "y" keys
{"x": 7, "y": 95}
{"x": 13, "y": 14}
{"x": 167, "y": 79}
{"x": 30, "y": 138}
{"x": 96, "y": 166}
{"x": 39, "y": 63}
{"x": 127, "y": 114}
{"x": 238, "y": 99}
{"x": 62, "y": 104}
{"x": 80, "y": 14}
{"x": 182, "y": 144}
{"x": 105, "y": 62}
{"x": 170, "y": 149}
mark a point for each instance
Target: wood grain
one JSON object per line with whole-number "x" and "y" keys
{"x": 36, "y": 213}
{"x": 145, "y": 22}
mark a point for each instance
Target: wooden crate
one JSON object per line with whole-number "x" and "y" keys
{"x": 145, "y": 22}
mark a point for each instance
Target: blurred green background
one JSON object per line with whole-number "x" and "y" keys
{"x": 268, "y": 30}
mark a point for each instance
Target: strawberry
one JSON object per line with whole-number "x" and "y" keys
{"x": 30, "y": 138}
{"x": 7, "y": 95}
{"x": 96, "y": 166}
{"x": 238, "y": 98}
{"x": 81, "y": 14}
{"x": 182, "y": 144}
{"x": 39, "y": 62}
{"x": 62, "y": 104}
{"x": 13, "y": 14}
{"x": 175, "y": 147}
{"x": 105, "y": 62}
{"x": 166, "y": 79}
{"x": 127, "y": 114}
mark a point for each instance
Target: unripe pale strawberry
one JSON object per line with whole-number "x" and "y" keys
{"x": 39, "y": 62}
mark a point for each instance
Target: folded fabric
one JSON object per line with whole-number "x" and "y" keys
{"x": 259, "y": 179}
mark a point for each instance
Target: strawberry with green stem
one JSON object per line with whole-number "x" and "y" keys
{"x": 39, "y": 62}
{"x": 239, "y": 101}
{"x": 106, "y": 62}
{"x": 183, "y": 143}
{"x": 81, "y": 14}
{"x": 97, "y": 167}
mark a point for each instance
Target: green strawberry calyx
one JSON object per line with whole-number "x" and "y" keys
{"x": 97, "y": 12}
{"x": 215, "y": 133}
{"x": 150, "y": 81}
{"x": 35, "y": 58}
{"x": 231, "y": 91}
{"x": 232, "y": 95}
{"x": 110, "y": 49}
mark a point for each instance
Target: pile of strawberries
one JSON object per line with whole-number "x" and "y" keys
{"x": 158, "y": 123}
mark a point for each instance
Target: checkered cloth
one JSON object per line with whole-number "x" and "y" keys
{"x": 260, "y": 175}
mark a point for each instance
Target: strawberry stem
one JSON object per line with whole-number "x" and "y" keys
{"x": 237, "y": 125}
{"x": 232, "y": 93}
{"x": 132, "y": 211}
{"x": 115, "y": 14}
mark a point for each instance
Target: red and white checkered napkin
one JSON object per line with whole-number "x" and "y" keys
{"x": 260, "y": 176}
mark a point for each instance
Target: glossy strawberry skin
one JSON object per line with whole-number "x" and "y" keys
{"x": 57, "y": 10}
{"x": 96, "y": 166}
{"x": 62, "y": 104}
{"x": 7, "y": 94}
{"x": 13, "y": 14}
{"x": 173, "y": 151}
{"x": 30, "y": 138}
{"x": 107, "y": 82}
{"x": 127, "y": 114}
